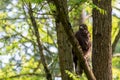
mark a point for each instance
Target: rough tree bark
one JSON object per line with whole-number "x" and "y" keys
{"x": 63, "y": 18}
{"x": 102, "y": 51}
{"x": 64, "y": 50}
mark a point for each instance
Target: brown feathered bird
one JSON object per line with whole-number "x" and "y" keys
{"x": 83, "y": 36}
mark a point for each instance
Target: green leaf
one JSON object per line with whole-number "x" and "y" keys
{"x": 34, "y": 1}
{"x": 72, "y": 75}
{"x": 102, "y": 11}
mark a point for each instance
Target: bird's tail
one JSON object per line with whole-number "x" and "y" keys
{"x": 79, "y": 68}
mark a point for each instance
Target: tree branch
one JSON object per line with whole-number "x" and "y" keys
{"x": 62, "y": 14}
{"x": 35, "y": 27}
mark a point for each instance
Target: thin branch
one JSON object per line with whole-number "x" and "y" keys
{"x": 116, "y": 55}
{"x": 45, "y": 48}
{"x": 43, "y": 60}
{"x": 116, "y": 8}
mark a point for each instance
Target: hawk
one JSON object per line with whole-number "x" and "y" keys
{"x": 83, "y": 37}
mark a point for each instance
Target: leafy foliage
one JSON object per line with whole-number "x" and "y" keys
{"x": 116, "y": 68}
{"x": 73, "y": 76}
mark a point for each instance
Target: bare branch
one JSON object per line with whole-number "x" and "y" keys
{"x": 35, "y": 27}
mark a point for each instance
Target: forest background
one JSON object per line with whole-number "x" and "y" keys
{"x": 20, "y": 49}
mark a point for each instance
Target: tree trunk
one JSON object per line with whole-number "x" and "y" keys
{"x": 82, "y": 17}
{"x": 62, "y": 15}
{"x": 102, "y": 51}
{"x": 64, "y": 51}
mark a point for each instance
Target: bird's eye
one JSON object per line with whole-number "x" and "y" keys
{"x": 81, "y": 27}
